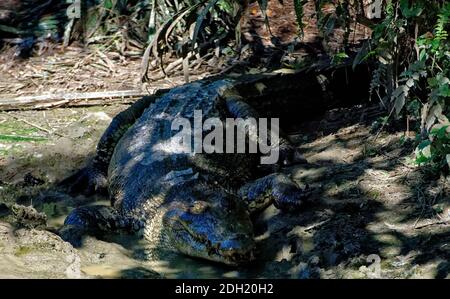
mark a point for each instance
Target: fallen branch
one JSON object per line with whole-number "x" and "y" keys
{"x": 316, "y": 225}
{"x": 435, "y": 222}
{"x": 70, "y": 100}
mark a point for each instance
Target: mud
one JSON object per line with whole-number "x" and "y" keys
{"x": 370, "y": 203}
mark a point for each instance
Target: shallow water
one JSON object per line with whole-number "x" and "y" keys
{"x": 364, "y": 204}
{"x": 127, "y": 256}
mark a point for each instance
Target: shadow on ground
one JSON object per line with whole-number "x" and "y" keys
{"x": 368, "y": 199}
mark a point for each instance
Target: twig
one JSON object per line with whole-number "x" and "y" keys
{"x": 316, "y": 225}
{"x": 431, "y": 223}
{"x": 34, "y": 125}
{"x": 67, "y": 99}
{"x": 384, "y": 124}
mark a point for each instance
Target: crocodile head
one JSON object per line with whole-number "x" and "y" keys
{"x": 216, "y": 228}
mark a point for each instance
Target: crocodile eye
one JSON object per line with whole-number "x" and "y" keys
{"x": 199, "y": 207}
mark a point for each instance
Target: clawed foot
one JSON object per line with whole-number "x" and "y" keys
{"x": 87, "y": 181}
{"x": 72, "y": 234}
{"x": 276, "y": 188}
{"x": 288, "y": 197}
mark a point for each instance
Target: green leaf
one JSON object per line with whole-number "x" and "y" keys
{"x": 423, "y": 152}
{"x": 399, "y": 97}
{"x": 439, "y": 132}
{"x": 108, "y": 4}
{"x": 201, "y": 17}
{"x": 361, "y": 55}
{"x": 414, "y": 11}
{"x": 16, "y": 138}
{"x": 263, "y": 4}
{"x": 299, "y": 12}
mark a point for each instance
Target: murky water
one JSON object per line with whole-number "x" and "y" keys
{"x": 123, "y": 255}
{"x": 368, "y": 209}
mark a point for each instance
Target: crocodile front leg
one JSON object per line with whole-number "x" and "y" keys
{"x": 276, "y": 188}
{"x": 238, "y": 108}
{"x": 94, "y": 219}
{"x": 92, "y": 178}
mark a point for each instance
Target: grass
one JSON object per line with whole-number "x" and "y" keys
{"x": 14, "y": 131}
{"x": 16, "y": 127}
{"x": 18, "y": 138}
{"x": 12, "y": 150}
{"x": 374, "y": 194}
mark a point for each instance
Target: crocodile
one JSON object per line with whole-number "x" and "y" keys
{"x": 200, "y": 205}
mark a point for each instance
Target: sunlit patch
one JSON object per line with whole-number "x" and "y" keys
{"x": 175, "y": 177}
{"x": 172, "y": 146}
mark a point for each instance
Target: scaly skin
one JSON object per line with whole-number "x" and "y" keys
{"x": 184, "y": 202}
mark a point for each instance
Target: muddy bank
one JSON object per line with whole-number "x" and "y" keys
{"x": 369, "y": 199}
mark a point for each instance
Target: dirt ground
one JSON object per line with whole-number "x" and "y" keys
{"x": 373, "y": 212}
{"x": 283, "y": 25}
{"x": 57, "y": 70}
{"x": 369, "y": 199}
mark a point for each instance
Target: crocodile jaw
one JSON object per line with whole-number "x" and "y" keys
{"x": 227, "y": 240}
{"x": 229, "y": 252}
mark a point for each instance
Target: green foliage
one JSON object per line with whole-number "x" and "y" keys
{"x": 191, "y": 27}
{"x": 413, "y": 10}
{"x": 299, "y": 13}
{"x": 436, "y": 150}
{"x": 410, "y": 45}
{"x": 339, "y": 57}
{"x": 431, "y": 72}
{"x": 15, "y": 138}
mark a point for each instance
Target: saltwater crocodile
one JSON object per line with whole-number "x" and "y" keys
{"x": 196, "y": 204}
